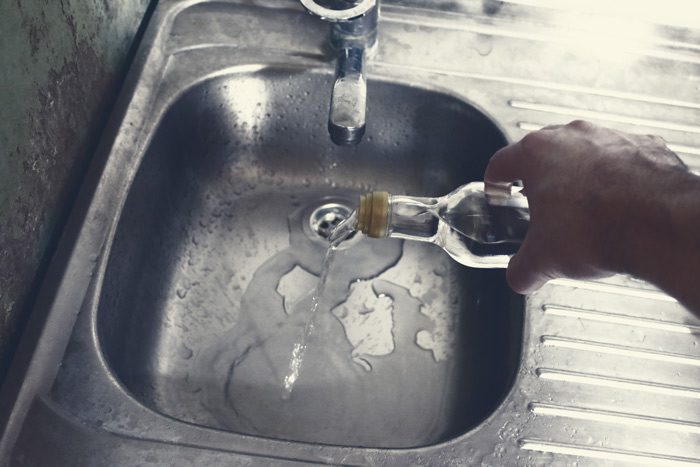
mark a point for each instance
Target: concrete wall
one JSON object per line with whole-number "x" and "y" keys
{"x": 61, "y": 65}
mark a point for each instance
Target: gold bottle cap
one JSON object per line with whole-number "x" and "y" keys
{"x": 373, "y": 214}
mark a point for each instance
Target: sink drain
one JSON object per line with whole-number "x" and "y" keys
{"x": 326, "y": 217}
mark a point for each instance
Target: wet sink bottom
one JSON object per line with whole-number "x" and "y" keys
{"x": 209, "y": 279}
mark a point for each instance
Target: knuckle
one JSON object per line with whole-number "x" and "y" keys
{"x": 658, "y": 140}
{"x": 534, "y": 142}
{"x": 580, "y": 125}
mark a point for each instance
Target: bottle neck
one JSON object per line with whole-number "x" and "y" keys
{"x": 381, "y": 215}
{"x": 412, "y": 217}
{"x": 373, "y": 214}
{"x": 485, "y": 219}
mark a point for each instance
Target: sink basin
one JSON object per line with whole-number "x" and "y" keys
{"x": 165, "y": 324}
{"x": 209, "y": 281}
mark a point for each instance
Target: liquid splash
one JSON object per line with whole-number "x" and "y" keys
{"x": 299, "y": 349}
{"x": 294, "y": 367}
{"x": 342, "y": 232}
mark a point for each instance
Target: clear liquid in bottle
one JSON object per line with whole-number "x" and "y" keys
{"x": 476, "y": 228}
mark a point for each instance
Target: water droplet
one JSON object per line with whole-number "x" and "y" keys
{"x": 185, "y": 352}
{"x": 484, "y": 45}
{"x": 366, "y": 365}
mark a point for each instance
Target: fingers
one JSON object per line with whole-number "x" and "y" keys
{"x": 506, "y": 166}
{"x": 527, "y": 270}
{"x": 656, "y": 149}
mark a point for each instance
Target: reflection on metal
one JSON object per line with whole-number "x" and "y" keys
{"x": 612, "y": 39}
{"x": 620, "y": 418}
{"x": 595, "y": 286}
{"x": 670, "y": 12}
{"x": 604, "y": 117}
{"x": 614, "y": 318}
{"x": 595, "y": 452}
{"x": 612, "y": 349}
{"x": 617, "y": 383}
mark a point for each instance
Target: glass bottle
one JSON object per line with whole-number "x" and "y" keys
{"x": 476, "y": 228}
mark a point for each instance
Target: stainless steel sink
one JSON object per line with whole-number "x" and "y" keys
{"x": 164, "y": 328}
{"x": 210, "y": 274}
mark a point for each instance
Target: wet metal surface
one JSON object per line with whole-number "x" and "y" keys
{"x": 194, "y": 253}
{"x": 191, "y": 316}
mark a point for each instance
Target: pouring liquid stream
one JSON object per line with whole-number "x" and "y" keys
{"x": 341, "y": 233}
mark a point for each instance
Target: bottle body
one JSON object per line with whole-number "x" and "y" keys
{"x": 476, "y": 228}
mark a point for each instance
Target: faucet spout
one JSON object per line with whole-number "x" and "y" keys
{"x": 346, "y": 120}
{"x": 353, "y": 34}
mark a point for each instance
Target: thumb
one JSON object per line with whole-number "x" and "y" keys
{"x": 527, "y": 270}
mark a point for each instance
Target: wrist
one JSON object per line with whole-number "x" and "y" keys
{"x": 661, "y": 236}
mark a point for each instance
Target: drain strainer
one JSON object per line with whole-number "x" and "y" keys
{"x": 326, "y": 217}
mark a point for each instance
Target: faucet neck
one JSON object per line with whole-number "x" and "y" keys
{"x": 358, "y": 32}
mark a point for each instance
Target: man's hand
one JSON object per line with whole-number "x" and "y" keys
{"x": 593, "y": 195}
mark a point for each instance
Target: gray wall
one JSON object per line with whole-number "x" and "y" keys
{"x": 61, "y": 65}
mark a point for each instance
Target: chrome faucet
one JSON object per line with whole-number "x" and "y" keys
{"x": 353, "y": 35}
